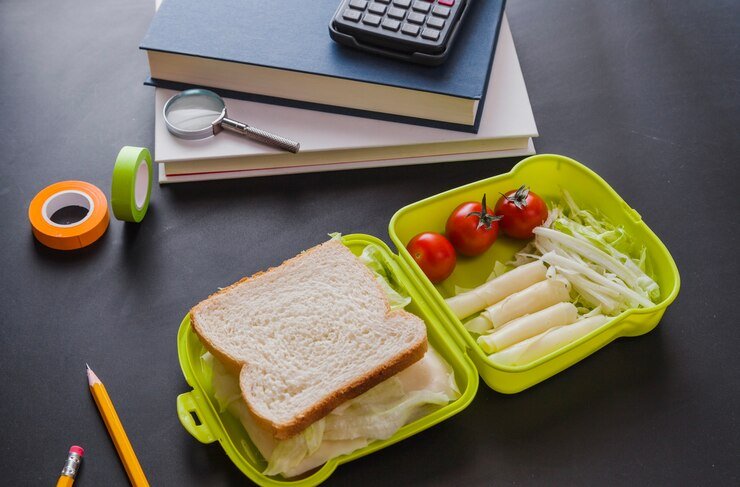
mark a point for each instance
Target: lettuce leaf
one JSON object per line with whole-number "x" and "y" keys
{"x": 385, "y": 392}
{"x": 384, "y": 422}
{"x": 372, "y": 257}
{"x": 289, "y": 453}
{"x": 376, "y": 414}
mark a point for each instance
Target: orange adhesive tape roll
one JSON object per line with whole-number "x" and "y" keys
{"x": 73, "y": 235}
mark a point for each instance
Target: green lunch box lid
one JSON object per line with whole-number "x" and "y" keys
{"x": 545, "y": 173}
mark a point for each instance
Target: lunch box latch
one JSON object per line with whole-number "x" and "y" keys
{"x": 188, "y": 411}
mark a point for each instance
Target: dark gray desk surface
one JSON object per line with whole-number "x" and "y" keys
{"x": 645, "y": 93}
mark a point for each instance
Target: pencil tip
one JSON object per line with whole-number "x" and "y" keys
{"x": 91, "y": 377}
{"x": 88, "y": 367}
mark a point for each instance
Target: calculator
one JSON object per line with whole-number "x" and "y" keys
{"x": 420, "y": 31}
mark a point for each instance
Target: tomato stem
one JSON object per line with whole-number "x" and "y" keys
{"x": 485, "y": 219}
{"x": 519, "y": 198}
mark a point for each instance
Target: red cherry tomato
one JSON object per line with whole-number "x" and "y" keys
{"x": 521, "y": 212}
{"x": 434, "y": 254}
{"x": 471, "y": 230}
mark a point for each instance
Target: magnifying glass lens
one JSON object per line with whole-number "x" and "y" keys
{"x": 199, "y": 113}
{"x": 195, "y": 111}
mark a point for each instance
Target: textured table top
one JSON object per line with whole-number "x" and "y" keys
{"x": 645, "y": 93}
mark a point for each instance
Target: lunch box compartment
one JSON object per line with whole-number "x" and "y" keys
{"x": 546, "y": 175}
{"x": 199, "y": 412}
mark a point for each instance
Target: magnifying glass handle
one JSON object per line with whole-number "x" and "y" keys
{"x": 260, "y": 135}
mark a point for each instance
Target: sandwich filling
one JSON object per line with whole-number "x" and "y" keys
{"x": 375, "y": 415}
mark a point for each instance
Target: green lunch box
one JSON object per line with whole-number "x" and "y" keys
{"x": 546, "y": 174}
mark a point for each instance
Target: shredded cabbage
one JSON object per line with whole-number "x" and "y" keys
{"x": 606, "y": 267}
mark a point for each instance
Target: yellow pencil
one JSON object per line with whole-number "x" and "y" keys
{"x": 69, "y": 472}
{"x": 116, "y": 431}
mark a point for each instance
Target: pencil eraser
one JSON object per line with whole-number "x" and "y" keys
{"x": 77, "y": 449}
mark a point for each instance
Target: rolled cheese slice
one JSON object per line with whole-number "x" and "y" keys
{"x": 465, "y": 304}
{"x": 528, "y": 326}
{"x": 530, "y": 300}
{"x": 553, "y": 339}
{"x": 480, "y": 324}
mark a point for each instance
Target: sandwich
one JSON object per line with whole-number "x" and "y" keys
{"x": 316, "y": 361}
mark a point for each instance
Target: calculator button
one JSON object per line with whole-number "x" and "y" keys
{"x": 377, "y": 8}
{"x": 441, "y": 11}
{"x": 371, "y": 19}
{"x": 435, "y": 22}
{"x": 358, "y": 4}
{"x": 448, "y": 3}
{"x": 402, "y": 3}
{"x": 353, "y": 15}
{"x": 421, "y": 6}
{"x": 410, "y": 29}
{"x": 430, "y": 34}
{"x": 391, "y": 24}
{"x": 396, "y": 13}
{"x": 416, "y": 17}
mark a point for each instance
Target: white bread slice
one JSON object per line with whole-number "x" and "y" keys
{"x": 307, "y": 336}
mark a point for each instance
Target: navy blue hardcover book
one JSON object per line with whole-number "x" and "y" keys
{"x": 280, "y": 52}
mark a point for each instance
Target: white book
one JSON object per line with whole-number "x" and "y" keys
{"x": 208, "y": 176}
{"x": 333, "y": 142}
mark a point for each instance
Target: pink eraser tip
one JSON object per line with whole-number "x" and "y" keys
{"x": 77, "y": 449}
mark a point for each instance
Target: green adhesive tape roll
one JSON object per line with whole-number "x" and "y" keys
{"x": 132, "y": 184}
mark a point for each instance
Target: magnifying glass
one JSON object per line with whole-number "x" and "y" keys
{"x": 198, "y": 113}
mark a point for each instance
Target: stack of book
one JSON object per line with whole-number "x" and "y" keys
{"x": 279, "y": 70}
